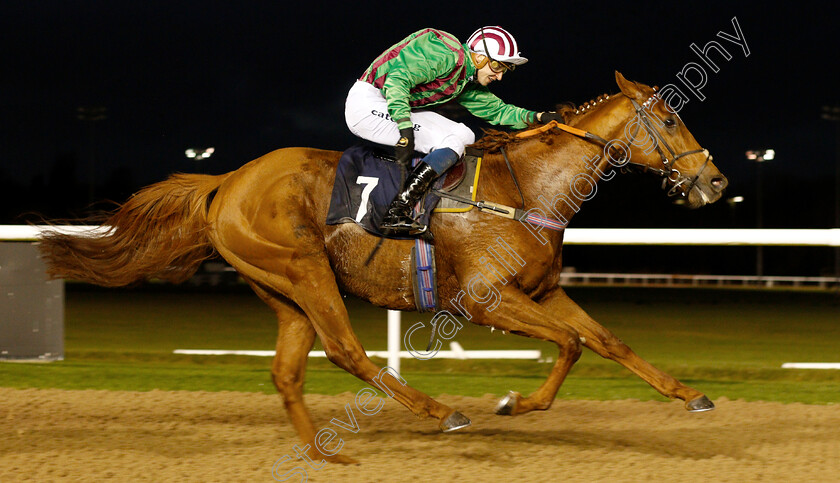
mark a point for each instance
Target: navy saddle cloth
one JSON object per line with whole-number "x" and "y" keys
{"x": 366, "y": 182}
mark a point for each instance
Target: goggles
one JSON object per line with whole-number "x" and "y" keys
{"x": 498, "y": 66}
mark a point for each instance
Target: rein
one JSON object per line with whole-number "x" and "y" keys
{"x": 679, "y": 183}
{"x": 669, "y": 174}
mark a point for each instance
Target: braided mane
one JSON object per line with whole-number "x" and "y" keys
{"x": 583, "y": 108}
{"x": 493, "y": 139}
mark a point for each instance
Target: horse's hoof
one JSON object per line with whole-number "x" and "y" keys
{"x": 699, "y": 405}
{"x": 454, "y": 422}
{"x": 507, "y": 403}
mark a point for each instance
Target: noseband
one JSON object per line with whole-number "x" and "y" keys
{"x": 672, "y": 179}
{"x": 671, "y": 176}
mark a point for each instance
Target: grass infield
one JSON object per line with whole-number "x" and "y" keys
{"x": 726, "y": 343}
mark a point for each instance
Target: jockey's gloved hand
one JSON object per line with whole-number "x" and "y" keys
{"x": 548, "y": 116}
{"x": 405, "y": 146}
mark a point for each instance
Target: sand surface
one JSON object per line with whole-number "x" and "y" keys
{"x": 56, "y": 435}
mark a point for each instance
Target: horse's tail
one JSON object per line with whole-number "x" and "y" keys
{"x": 160, "y": 232}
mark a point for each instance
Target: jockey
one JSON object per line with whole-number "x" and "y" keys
{"x": 427, "y": 68}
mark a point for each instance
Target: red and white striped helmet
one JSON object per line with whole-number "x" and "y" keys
{"x": 499, "y": 42}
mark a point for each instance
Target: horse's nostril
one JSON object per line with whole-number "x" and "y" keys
{"x": 719, "y": 183}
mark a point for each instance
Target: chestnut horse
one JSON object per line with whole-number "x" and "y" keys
{"x": 267, "y": 220}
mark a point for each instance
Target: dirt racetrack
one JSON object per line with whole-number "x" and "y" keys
{"x": 56, "y": 435}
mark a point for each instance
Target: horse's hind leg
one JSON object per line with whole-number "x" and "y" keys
{"x": 308, "y": 281}
{"x": 295, "y": 338}
{"x": 604, "y": 343}
{"x": 317, "y": 294}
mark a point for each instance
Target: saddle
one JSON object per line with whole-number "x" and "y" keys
{"x": 368, "y": 178}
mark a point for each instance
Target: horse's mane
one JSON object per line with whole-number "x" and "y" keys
{"x": 493, "y": 139}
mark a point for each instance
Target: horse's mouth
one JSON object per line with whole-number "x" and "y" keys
{"x": 700, "y": 196}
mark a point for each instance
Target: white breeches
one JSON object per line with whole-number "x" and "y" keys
{"x": 366, "y": 113}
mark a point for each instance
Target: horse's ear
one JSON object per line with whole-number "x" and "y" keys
{"x": 629, "y": 88}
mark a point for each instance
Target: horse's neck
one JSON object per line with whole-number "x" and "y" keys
{"x": 564, "y": 167}
{"x": 607, "y": 119}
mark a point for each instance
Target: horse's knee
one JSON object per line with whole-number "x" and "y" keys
{"x": 337, "y": 356}
{"x": 347, "y": 359}
{"x": 570, "y": 346}
{"x": 286, "y": 378}
{"x": 289, "y": 384}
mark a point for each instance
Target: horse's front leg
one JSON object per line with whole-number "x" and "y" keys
{"x": 508, "y": 309}
{"x": 604, "y": 343}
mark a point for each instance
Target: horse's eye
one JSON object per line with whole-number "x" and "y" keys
{"x": 670, "y": 122}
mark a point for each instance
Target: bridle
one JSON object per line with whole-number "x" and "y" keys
{"x": 669, "y": 172}
{"x": 672, "y": 178}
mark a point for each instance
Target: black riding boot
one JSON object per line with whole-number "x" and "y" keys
{"x": 398, "y": 220}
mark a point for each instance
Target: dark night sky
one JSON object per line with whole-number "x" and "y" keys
{"x": 249, "y": 77}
